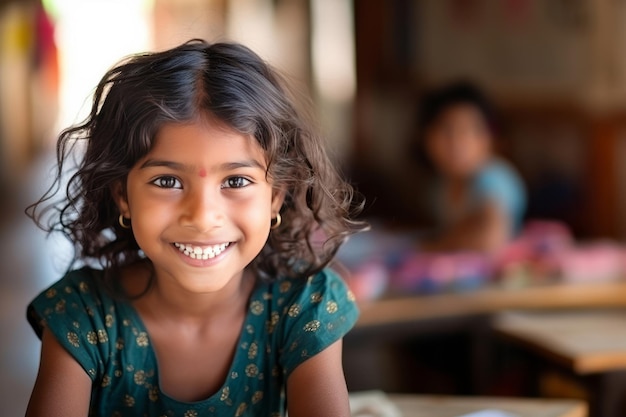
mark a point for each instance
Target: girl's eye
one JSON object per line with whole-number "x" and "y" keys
{"x": 236, "y": 182}
{"x": 167, "y": 182}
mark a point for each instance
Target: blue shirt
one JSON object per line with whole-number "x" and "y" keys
{"x": 497, "y": 182}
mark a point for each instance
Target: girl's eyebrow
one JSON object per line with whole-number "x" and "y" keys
{"x": 251, "y": 163}
{"x": 177, "y": 166}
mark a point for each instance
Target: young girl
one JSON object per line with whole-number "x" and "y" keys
{"x": 199, "y": 193}
{"x": 479, "y": 198}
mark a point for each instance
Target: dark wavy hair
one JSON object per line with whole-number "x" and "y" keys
{"x": 229, "y": 81}
{"x": 436, "y": 102}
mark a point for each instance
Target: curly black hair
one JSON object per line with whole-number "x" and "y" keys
{"x": 230, "y": 82}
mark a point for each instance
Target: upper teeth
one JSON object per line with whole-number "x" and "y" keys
{"x": 201, "y": 252}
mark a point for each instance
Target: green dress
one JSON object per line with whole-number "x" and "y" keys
{"x": 288, "y": 321}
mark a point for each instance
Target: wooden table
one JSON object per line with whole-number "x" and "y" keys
{"x": 388, "y": 322}
{"x": 588, "y": 344}
{"x": 584, "y": 341}
{"x": 490, "y": 300}
{"x": 444, "y": 406}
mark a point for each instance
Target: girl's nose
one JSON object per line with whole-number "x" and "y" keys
{"x": 203, "y": 211}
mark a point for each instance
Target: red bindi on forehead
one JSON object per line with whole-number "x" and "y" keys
{"x": 202, "y": 172}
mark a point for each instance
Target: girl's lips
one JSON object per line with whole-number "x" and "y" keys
{"x": 201, "y": 252}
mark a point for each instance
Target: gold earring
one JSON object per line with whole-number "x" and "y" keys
{"x": 276, "y": 224}
{"x": 122, "y": 221}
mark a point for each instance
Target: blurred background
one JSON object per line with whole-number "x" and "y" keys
{"x": 555, "y": 69}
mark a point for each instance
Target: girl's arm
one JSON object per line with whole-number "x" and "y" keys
{"x": 485, "y": 230}
{"x": 317, "y": 387}
{"x": 63, "y": 388}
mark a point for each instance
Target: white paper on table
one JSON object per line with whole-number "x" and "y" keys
{"x": 489, "y": 413}
{"x": 372, "y": 404}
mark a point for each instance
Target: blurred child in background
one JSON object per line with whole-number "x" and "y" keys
{"x": 478, "y": 198}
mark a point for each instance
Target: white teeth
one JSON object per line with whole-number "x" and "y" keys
{"x": 199, "y": 252}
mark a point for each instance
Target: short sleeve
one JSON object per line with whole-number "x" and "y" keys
{"x": 320, "y": 312}
{"x": 73, "y": 311}
{"x": 500, "y": 184}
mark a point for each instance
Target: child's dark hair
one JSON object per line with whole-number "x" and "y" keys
{"x": 229, "y": 81}
{"x": 437, "y": 101}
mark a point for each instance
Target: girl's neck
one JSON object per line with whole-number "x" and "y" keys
{"x": 166, "y": 302}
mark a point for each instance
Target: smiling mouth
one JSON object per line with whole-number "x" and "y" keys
{"x": 201, "y": 252}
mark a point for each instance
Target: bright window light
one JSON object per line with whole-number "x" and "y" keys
{"x": 333, "y": 49}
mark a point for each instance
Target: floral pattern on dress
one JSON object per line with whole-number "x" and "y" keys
{"x": 289, "y": 321}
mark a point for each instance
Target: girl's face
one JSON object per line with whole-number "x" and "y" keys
{"x": 459, "y": 142}
{"x": 200, "y": 204}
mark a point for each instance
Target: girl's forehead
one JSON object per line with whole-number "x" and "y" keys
{"x": 202, "y": 120}
{"x": 213, "y": 130}
{"x": 203, "y": 143}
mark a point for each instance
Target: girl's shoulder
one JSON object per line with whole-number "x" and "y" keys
{"x": 498, "y": 167}
{"x": 306, "y": 315}
{"x": 76, "y": 297}
{"x": 326, "y": 284}
{"x": 498, "y": 177}
{"x": 81, "y": 316}
{"x": 78, "y": 283}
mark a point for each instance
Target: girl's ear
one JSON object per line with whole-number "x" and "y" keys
{"x": 278, "y": 197}
{"x": 118, "y": 192}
